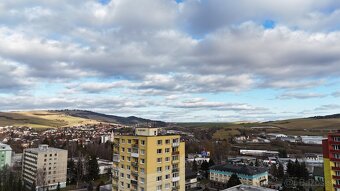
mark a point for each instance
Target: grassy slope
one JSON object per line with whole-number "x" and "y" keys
{"x": 41, "y": 119}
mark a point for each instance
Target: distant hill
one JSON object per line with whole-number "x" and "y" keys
{"x": 334, "y": 116}
{"x": 64, "y": 118}
{"x": 131, "y": 120}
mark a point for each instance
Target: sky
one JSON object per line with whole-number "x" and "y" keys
{"x": 176, "y": 61}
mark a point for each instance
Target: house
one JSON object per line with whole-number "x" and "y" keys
{"x": 190, "y": 179}
{"x": 248, "y": 175}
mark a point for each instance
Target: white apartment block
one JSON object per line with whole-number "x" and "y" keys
{"x": 45, "y": 167}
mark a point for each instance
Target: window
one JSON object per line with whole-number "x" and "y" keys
{"x": 142, "y": 170}
{"x": 159, "y": 151}
{"x": 159, "y": 187}
{"x": 129, "y": 159}
{"x": 159, "y": 169}
{"x": 121, "y": 166}
{"x": 128, "y": 185}
{"x": 122, "y": 184}
{"x": 142, "y": 142}
{"x": 129, "y": 141}
{"x": 128, "y": 176}
{"x": 142, "y": 161}
{"x": 167, "y": 176}
{"x": 123, "y": 140}
{"x": 142, "y": 151}
{"x": 128, "y": 167}
{"x": 123, "y": 157}
{"x": 159, "y": 178}
{"x": 167, "y": 159}
{"x": 122, "y": 175}
{"x": 159, "y": 142}
{"x": 142, "y": 180}
{"x": 167, "y": 141}
{"x": 167, "y": 185}
{"x": 167, "y": 167}
{"x": 123, "y": 149}
{"x": 159, "y": 160}
{"x": 167, "y": 150}
{"x": 129, "y": 150}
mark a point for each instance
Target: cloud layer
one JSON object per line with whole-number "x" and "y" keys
{"x": 71, "y": 53}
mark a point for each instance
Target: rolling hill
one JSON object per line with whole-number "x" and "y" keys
{"x": 63, "y": 118}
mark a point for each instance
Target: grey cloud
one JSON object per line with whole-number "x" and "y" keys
{"x": 299, "y": 95}
{"x": 336, "y": 94}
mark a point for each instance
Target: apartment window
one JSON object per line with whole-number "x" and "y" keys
{"x": 128, "y": 185}
{"x": 129, "y": 150}
{"x": 167, "y": 141}
{"x": 159, "y": 187}
{"x": 129, "y": 141}
{"x": 159, "y": 151}
{"x": 141, "y": 189}
{"x": 123, "y": 149}
{"x": 159, "y": 178}
{"x": 167, "y": 150}
{"x": 142, "y": 180}
{"x": 142, "y": 161}
{"x": 167, "y": 185}
{"x": 142, "y": 170}
{"x": 159, "y": 169}
{"x": 123, "y": 140}
{"x": 123, "y": 157}
{"x": 121, "y": 166}
{"x": 142, "y": 151}
{"x": 167, "y": 167}
{"x": 167, "y": 159}
{"x": 122, "y": 184}
{"x": 142, "y": 142}
{"x": 128, "y": 176}
{"x": 159, "y": 160}
{"x": 128, "y": 167}
{"x": 159, "y": 142}
{"x": 167, "y": 176}
{"x": 129, "y": 159}
{"x": 122, "y": 175}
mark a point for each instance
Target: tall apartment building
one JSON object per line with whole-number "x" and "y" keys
{"x": 331, "y": 158}
{"x": 5, "y": 155}
{"x": 148, "y": 161}
{"x": 44, "y": 167}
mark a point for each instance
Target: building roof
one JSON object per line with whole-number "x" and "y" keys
{"x": 5, "y": 147}
{"x": 239, "y": 169}
{"x": 45, "y": 148}
{"x": 242, "y": 187}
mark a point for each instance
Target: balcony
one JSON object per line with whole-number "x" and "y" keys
{"x": 175, "y": 161}
{"x": 134, "y": 164}
{"x": 135, "y": 154}
{"x": 336, "y": 185}
{"x": 175, "y": 170}
{"x": 335, "y": 159}
{"x": 175, "y": 179}
{"x": 134, "y": 182}
{"x": 115, "y": 177}
{"x": 335, "y": 168}
{"x": 335, "y": 151}
{"x": 336, "y": 177}
{"x": 175, "y": 188}
{"x": 135, "y": 146}
{"x": 115, "y": 169}
{"x": 175, "y": 153}
{"x": 175, "y": 144}
{"x": 116, "y": 158}
{"x": 134, "y": 173}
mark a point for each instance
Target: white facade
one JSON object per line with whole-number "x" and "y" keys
{"x": 5, "y": 155}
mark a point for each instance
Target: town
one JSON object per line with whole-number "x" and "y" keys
{"x": 118, "y": 157}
